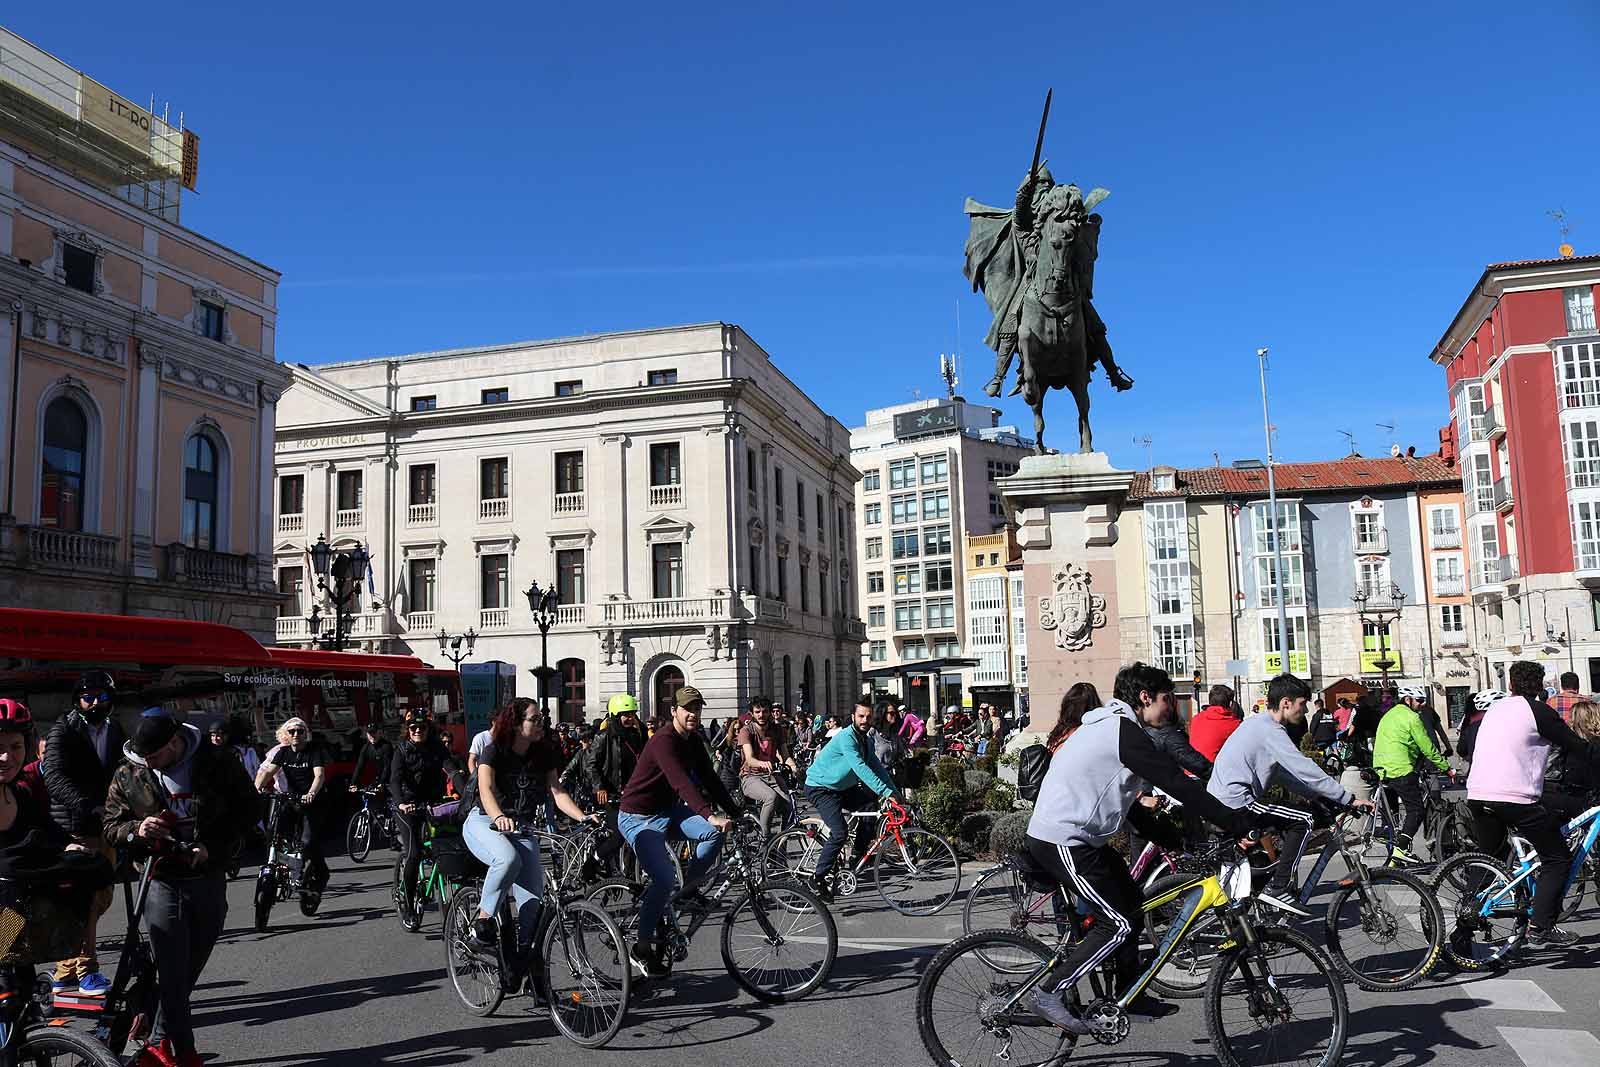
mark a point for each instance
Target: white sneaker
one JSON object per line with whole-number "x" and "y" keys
{"x": 1283, "y": 901}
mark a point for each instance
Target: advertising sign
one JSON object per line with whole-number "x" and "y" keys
{"x": 1299, "y": 663}
{"x": 928, "y": 420}
{"x": 485, "y": 688}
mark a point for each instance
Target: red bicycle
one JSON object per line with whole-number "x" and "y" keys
{"x": 917, "y": 872}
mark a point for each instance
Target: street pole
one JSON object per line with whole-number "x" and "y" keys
{"x": 1272, "y": 520}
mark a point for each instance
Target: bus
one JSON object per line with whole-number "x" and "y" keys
{"x": 205, "y": 671}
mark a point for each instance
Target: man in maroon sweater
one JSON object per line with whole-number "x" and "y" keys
{"x": 667, "y": 796}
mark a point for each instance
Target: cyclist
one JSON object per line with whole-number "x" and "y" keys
{"x": 417, "y": 777}
{"x": 378, "y": 751}
{"x": 1093, "y": 782}
{"x": 304, "y": 768}
{"x": 84, "y": 748}
{"x": 1481, "y": 703}
{"x": 1402, "y": 742}
{"x": 1215, "y": 723}
{"x": 518, "y": 774}
{"x": 1506, "y": 786}
{"x": 177, "y": 791}
{"x": 846, "y": 774}
{"x": 764, "y": 748}
{"x": 612, "y": 759}
{"x": 668, "y": 795}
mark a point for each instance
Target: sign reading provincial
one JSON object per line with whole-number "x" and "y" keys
{"x": 928, "y": 420}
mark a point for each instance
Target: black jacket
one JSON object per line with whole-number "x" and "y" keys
{"x": 612, "y": 756}
{"x": 381, "y": 755}
{"x": 1171, "y": 739}
{"x": 74, "y": 776}
{"x": 417, "y": 773}
{"x": 1436, "y": 731}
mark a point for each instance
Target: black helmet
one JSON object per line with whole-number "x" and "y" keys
{"x": 96, "y": 682}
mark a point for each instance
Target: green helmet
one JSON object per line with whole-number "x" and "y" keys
{"x": 623, "y": 704}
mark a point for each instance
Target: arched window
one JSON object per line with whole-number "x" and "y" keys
{"x": 64, "y": 465}
{"x": 788, "y": 687}
{"x": 808, "y": 687}
{"x": 669, "y": 680}
{"x": 200, "y": 493}
{"x": 573, "y": 690}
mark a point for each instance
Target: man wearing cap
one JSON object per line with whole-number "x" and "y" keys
{"x": 188, "y": 804}
{"x": 667, "y": 796}
{"x": 1400, "y": 745}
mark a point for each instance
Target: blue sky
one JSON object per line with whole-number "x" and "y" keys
{"x": 1325, "y": 180}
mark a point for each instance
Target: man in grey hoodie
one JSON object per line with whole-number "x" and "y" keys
{"x": 1090, "y": 790}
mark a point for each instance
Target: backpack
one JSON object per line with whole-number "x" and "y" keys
{"x": 1031, "y": 767}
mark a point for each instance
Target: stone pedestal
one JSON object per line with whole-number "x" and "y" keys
{"x": 1066, "y": 509}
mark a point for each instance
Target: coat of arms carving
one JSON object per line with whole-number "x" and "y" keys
{"x": 1073, "y": 611}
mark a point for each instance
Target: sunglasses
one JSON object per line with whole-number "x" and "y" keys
{"x": 95, "y": 698}
{"x": 534, "y": 720}
{"x": 296, "y": 732}
{"x": 417, "y": 726}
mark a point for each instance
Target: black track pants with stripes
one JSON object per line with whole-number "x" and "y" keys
{"x": 1295, "y": 826}
{"x": 1098, "y": 879}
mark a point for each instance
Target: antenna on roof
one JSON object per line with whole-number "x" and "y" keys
{"x": 947, "y": 371}
{"x": 1565, "y": 226}
{"x": 1388, "y": 431}
{"x": 1150, "y": 454}
{"x": 1351, "y": 438}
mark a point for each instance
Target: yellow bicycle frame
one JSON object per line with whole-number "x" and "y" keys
{"x": 1201, "y": 894}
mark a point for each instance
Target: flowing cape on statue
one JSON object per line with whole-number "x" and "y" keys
{"x": 996, "y": 266}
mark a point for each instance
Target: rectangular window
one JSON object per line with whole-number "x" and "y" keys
{"x": 905, "y": 545}
{"x": 935, "y": 541}
{"x": 935, "y": 470}
{"x": 291, "y": 583}
{"x": 1585, "y": 534}
{"x": 936, "y": 505}
{"x": 666, "y": 570}
{"x": 1452, "y": 620}
{"x": 569, "y": 472}
{"x": 800, "y": 505}
{"x": 1288, "y": 526}
{"x": 1447, "y": 572}
{"x": 494, "y": 479}
{"x": 750, "y": 476}
{"x": 783, "y": 579}
{"x": 907, "y": 580}
{"x": 875, "y": 548}
{"x": 425, "y": 403}
{"x": 1173, "y": 648}
{"x": 1580, "y": 309}
{"x": 569, "y": 575}
{"x": 665, "y": 465}
{"x": 349, "y": 490}
{"x": 1471, "y": 414}
{"x": 1297, "y": 638}
{"x": 422, "y": 484}
{"x": 908, "y": 615}
{"x": 1372, "y": 575}
{"x": 945, "y": 648}
{"x": 869, "y": 480}
{"x": 569, "y": 388}
{"x": 902, "y": 509}
{"x": 1169, "y": 588}
{"x": 872, "y": 515}
{"x": 1374, "y": 639}
{"x": 1294, "y": 592}
{"x": 498, "y": 395}
{"x": 822, "y": 592}
{"x": 996, "y": 509}
{"x": 940, "y": 577}
{"x": 879, "y": 651}
{"x": 669, "y": 376}
{"x": 292, "y": 494}
{"x": 755, "y": 569}
{"x": 421, "y": 585}
{"x": 777, "y": 492}
{"x": 78, "y": 263}
{"x": 1583, "y": 454}
{"x": 210, "y": 321}
{"x": 1444, "y": 527}
{"x": 902, "y": 473}
{"x": 874, "y": 581}
{"x": 1480, "y": 485}
{"x": 1165, "y": 526}
{"x": 822, "y": 521}
{"x": 1369, "y": 531}
{"x": 495, "y": 589}
{"x": 941, "y": 613}
{"x": 875, "y": 615}
{"x": 805, "y": 587}
{"x": 916, "y": 648}
{"x": 1578, "y": 374}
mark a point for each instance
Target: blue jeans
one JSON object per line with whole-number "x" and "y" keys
{"x": 513, "y": 863}
{"x": 647, "y": 836}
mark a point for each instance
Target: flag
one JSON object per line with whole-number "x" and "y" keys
{"x": 372, "y": 589}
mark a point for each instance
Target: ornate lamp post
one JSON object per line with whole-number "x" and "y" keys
{"x": 543, "y": 604}
{"x": 1381, "y": 615}
{"x": 345, "y": 568}
{"x": 450, "y": 645}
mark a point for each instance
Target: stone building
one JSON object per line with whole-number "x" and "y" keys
{"x": 690, "y": 503}
{"x": 137, "y": 359}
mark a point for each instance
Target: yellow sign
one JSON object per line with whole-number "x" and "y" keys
{"x": 1370, "y": 658}
{"x": 1299, "y": 663}
{"x": 110, "y": 113}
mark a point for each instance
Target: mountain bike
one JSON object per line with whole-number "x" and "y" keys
{"x": 447, "y": 865}
{"x": 374, "y": 823}
{"x": 277, "y": 880}
{"x": 1488, "y": 904}
{"x": 577, "y": 963}
{"x": 916, "y": 871}
{"x": 1272, "y": 996}
{"x": 778, "y": 939}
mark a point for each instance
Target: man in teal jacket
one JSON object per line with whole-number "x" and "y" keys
{"x": 1401, "y": 741}
{"x": 845, "y": 776}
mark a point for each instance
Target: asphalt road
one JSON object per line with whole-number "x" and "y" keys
{"x": 350, "y": 986}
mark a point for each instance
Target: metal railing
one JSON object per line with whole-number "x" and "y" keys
{"x": 1502, "y": 493}
{"x": 291, "y": 524}
{"x": 666, "y": 496}
{"x": 568, "y": 503}
{"x": 197, "y": 566}
{"x": 1453, "y": 639}
{"x": 71, "y": 549}
{"x": 422, "y": 514}
{"x": 1450, "y": 538}
{"x": 1508, "y": 568}
{"x": 495, "y": 509}
{"x": 347, "y": 518}
{"x": 1450, "y": 585}
{"x": 494, "y": 618}
{"x": 1493, "y": 424}
{"x": 1486, "y": 572}
{"x": 1372, "y": 541}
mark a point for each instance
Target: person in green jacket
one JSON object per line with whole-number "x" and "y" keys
{"x": 844, "y": 777}
{"x": 1402, "y": 741}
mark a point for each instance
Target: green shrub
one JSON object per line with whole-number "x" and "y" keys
{"x": 1005, "y": 837}
{"x": 950, "y": 771}
{"x": 977, "y": 783}
{"x": 943, "y": 808}
{"x": 975, "y": 828}
{"x": 914, "y": 768}
{"x": 1000, "y": 797}
{"x": 986, "y": 764}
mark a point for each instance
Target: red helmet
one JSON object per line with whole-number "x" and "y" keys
{"x": 14, "y": 715}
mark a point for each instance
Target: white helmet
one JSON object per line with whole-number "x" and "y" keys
{"x": 1486, "y": 698}
{"x": 1413, "y": 692}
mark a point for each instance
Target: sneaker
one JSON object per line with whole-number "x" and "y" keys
{"x": 1553, "y": 936}
{"x": 93, "y": 984}
{"x": 1283, "y": 900}
{"x": 485, "y": 933}
{"x": 157, "y": 1054}
{"x": 646, "y": 964}
{"x": 64, "y": 986}
{"x": 822, "y": 887}
{"x": 1048, "y": 1005}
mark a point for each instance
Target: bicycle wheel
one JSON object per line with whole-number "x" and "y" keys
{"x": 1485, "y": 917}
{"x": 779, "y": 942}
{"x": 1386, "y": 934}
{"x": 474, "y": 971}
{"x": 792, "y": 854}
{"x": 1276, "y": 1001}
{"x": 48, "y": 1046}
{"x": 1188, "y": 969}
{"x": 587, "y": 977}
{"x": 1572, "y": 903}
{"x": 918, "y": 874}
{"x": 998, "y": 900}
{"x": 619, "y": 898}
{"x": 962, "y": 998}
{"x": 266, "y": 896}
{"x": 358, "y": 836}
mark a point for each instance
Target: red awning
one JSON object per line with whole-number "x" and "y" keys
{"x": 308, "y": 659}
{"x": 83, "y": 637}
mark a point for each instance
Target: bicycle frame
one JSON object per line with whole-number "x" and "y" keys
{"x": 1528, "y": 862}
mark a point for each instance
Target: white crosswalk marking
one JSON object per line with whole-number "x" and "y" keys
{"x": 1552, "y": 1048}
{"x": 1509, "y": 994}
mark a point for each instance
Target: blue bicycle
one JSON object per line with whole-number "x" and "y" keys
{"x": 1487, "y": 903}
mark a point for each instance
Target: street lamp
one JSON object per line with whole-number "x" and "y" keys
{"x": 450, "y": 645}
{"x": 345, "y": 568}
{"x": 543, "y": 603}
{"x": 1380, "y": 615}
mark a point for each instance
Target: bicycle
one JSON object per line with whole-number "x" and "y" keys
{"x": 1489, "y": 903}
{"x": 578, "y": 962}
{"x": 374, "y": 822}
{"x": 447, "y": 864}
{"x": 769, "y": 924}
{"x": 277, "y": 881}
{"x": 1269, "y": 978}
{"x": 916, "y": 871}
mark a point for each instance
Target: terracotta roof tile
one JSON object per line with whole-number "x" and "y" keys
{"x": 1542, "y": 262}
{"x": 1352, "y": 472}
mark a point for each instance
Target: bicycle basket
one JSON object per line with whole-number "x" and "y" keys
{"x": 41, "y": 921}
{"x": 454, "y": 860}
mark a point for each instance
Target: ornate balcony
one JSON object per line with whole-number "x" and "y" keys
{"x": 45, "y": 546}
{"x": 291, "y": 524}
{"x": 569, "y": 503}
{"x": 666, "y": 496}
{"x": 419, "y": 622}
{"x": 572, "y": 614}
{"x": 1450, "y": 538}
{"x": 422, "y": 514}
{"x": 1451, "y": 585}
{"x": 197, "y": 566}
{"x": 347, "y": 519}
{"x": 767, "y": 610}
{"x": 495, "y": 509}
{"x": 667, "y": 611}
{"x": 494, "y": 618}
